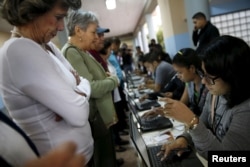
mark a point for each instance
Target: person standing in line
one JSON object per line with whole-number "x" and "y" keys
{"x": 138, "y": 56}
{"x": 96, "y": 51}
{"x": 127, "y": 58}
{"x": 204, "y": 31}
{"x": 17, "y": 149}
{"x": 41, "y": 90}
{"x": 82, "y": 27}
{"x": 105, "y": 53}
{"x": 115, "y": 45}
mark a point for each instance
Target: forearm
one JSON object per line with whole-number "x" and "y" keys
{"x": 101, "y": 87}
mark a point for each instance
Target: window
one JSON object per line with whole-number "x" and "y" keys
{"x": 235, "y": 24}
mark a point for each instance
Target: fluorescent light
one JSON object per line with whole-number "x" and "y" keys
{"x": 110, "y": 4}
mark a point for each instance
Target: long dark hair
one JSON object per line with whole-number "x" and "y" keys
{"x": 187, "y": 57}
{"x": 229, "y": 58}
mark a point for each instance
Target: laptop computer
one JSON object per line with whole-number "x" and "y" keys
{"x": 146, "y": 104}
{"x": 134, "y": 80}
{"x": 155, "y": 123}
{"x": 187, "y": 159}
{"x": 149, "y": 153}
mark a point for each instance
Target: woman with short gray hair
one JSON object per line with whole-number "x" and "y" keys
{"x": 81, "y": 19}
{"x": 82, "y": 27}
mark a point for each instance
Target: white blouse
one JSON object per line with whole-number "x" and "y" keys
{"x": 113, "y": 72}
{"x": 14, "y": 148}
{"x": 36, "y": 86}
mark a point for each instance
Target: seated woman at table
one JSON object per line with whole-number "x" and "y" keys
{"x": 224, "y": 122}
{"x": 162, "y": 71}
{"x": 187, "y": 64}
{"x": 174, "y": 89}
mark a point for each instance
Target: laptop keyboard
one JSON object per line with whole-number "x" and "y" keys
{"x": 156, "y": 160}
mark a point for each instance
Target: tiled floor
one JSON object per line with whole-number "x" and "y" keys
{"x": 130, "y": 155}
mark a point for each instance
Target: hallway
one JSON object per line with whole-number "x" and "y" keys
{"x": 130, "y": 155}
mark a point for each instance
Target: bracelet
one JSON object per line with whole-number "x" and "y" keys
{"x": 164, "y": 112}
{"x": 193, "y": 125}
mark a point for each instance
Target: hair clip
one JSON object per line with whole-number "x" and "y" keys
{"x": 180, "y": 52}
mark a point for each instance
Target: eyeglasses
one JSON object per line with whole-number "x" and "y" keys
{"x": 208, "y": 79}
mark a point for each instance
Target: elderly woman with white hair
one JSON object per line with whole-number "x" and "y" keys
{"x": 82, "y": 28}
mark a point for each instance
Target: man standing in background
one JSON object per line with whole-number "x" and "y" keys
{"x": 204, "y": 31}
{"x": 115, "y": 46}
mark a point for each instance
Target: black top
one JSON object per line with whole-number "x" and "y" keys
{"x": 206, "y": 34}
{"x": 175, "y": 85}
{"x": 10, "y": 123}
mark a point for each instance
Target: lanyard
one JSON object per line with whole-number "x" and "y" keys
{"x": 213, "y": 110}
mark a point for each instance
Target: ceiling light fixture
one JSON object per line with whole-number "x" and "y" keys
{"x": 111, "y": 4}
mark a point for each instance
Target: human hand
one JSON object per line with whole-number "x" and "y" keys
{"x": 195, "y": 28}
{"x": 137, "y": 71}
{"x": 76, "y": 75}
{"x": 142, "y": 86}
{"x": 177, "y": 110}
{"x": 83, "y": 88}
{"x": 58, "y": 118}
{"x": 168, "y": 94}
{"x": 177, "y": 146}
{"x": 81, "y": 93}
{"x": 62, "y": 156}
{"x": 108, "y": 74}
{"x": 153, "y": 112}
{"x": 149, "y": 114}
{"x": 149, "y": 81}
{"x": 143, "y": 97}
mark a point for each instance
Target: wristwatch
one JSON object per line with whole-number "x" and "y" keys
{"x": 193, "y": 124}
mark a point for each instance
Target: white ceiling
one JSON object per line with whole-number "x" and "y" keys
{"x": 121, "y": 21}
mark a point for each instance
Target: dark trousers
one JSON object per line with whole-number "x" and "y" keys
{"x": 104, "y": 151}
{"x": 120, "y": 108}
{"x": 123, "y": 98}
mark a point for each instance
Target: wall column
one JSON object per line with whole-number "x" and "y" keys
{"x": 151, "y": 28}
{"x": 140, "y": 40}
{"x": 144, "y": 40}
{"x": 174, "y": 25}
{"x": 192, "y": 7}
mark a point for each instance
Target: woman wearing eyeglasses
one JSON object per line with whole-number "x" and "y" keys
{"x": 224, "y": 122}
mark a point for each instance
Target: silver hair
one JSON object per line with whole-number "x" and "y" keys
{"x": 80, "y": 18}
